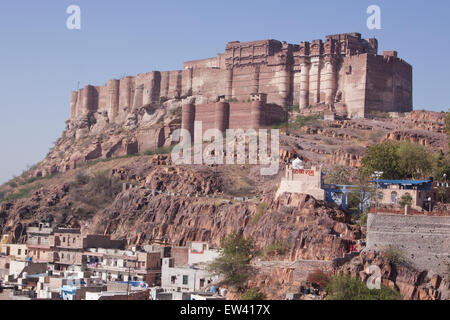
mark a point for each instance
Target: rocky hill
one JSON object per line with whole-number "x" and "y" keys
{"x": 96, "y": 178}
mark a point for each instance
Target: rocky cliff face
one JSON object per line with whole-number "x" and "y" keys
{"x": 92, "y": 136}
{"x": 412, "y": 284}
{"x": 177, "y": 205}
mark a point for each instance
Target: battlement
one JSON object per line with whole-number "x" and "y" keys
{"x": 343, "y": 69}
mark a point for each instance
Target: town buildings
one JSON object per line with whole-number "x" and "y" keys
{"x": 62, "y": 263}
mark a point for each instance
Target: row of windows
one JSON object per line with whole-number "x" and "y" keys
{"x": 173, "y": 280}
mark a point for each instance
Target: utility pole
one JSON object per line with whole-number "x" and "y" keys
{"x": 377, "y": 175}
{"x": 129, "y": 276}
{"x": 128, "y": 282}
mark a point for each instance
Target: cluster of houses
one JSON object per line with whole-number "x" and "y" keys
{"x": 61, "y": 263}
{"x": 423, "y": 194}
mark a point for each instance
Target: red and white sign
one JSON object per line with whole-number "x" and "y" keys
{"x": 303, "y": 172}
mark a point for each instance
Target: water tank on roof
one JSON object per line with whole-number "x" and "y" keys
{"x": 297, "y": 164}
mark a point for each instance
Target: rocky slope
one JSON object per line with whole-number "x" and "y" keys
{"x": 94, "y": 178}
{"x": 411, "y": 283}
{"x": 177, "y": 205}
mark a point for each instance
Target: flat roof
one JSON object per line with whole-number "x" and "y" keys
{"x": 405, "y": 182}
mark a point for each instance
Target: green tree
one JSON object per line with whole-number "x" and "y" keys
{"x": 233, "y": 264}
{"x": 344, "y": 287}
{"x": 381, "y": 157}
{"x": 406, "y": 200}
{"x": 361, "y": 195}
{"x": 441, "y": 166}
{"x": 414, "y": 160}
{"x": 397, "y": 160}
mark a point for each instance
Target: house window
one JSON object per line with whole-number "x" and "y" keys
{"x": 185, "y": 280}
{"x": 173, "y": 279}
{"x": 19, "y": 251}
{"x": 394, "y": 197}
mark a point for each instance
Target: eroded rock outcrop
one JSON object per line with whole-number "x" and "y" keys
{"x": 412, "y": 284}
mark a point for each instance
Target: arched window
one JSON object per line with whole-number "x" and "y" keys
{"x": 394, "y": 197}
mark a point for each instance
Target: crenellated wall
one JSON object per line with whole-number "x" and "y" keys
{"x": 343, "y": 72}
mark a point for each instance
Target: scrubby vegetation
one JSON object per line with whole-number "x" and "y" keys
{"x": 318, "y": 279}
{"x": 395, "y": 256}
{"x": 338, "y": 175}
{"x": 253, "y": 294}
{"x": 160, "y": 150}
{"x": 262, "y": 207}
{"x": 295, "y": 107}
{"x": 95, "y": 190}
{"x": 233, "y": 264}
{"x": 362, "y": 219}
{"x": 344, "y": 287}
{"x": 278, "y": 248}
{"x": 302, "y": 121}
{"x": 22, "y": 193}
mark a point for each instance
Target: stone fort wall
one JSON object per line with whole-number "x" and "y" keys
{"x": 343, "y": 71}
{"x": 235, "y": 115}
{"x": 425, "y": 240}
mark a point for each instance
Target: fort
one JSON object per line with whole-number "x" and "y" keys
{"x": 344, "y": 73}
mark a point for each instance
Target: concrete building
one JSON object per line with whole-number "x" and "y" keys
{"x": 124, "y": 265}
{"x": 200, "y": 252}
{"x": 390, "y": 192}
{"x": 39, "y": 242}
{"x": 301, "y": 180}
{"x": 184, "y": 278}
{"x": 15, "y": 251}
{"x": 68, "y": 246}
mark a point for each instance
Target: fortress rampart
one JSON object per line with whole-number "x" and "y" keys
{"x": 425, "y": 240}
{"x": 344, "y": 71}
{"x": 224, "y": 115}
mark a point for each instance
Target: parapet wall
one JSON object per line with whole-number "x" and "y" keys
{"x": 424, "y": 240}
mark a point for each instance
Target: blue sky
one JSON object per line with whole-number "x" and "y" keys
{"x": 41, "y": 61}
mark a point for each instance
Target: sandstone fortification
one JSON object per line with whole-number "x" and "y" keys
{"x": 343, "y": 72}
{"x": 247, "y": 87}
